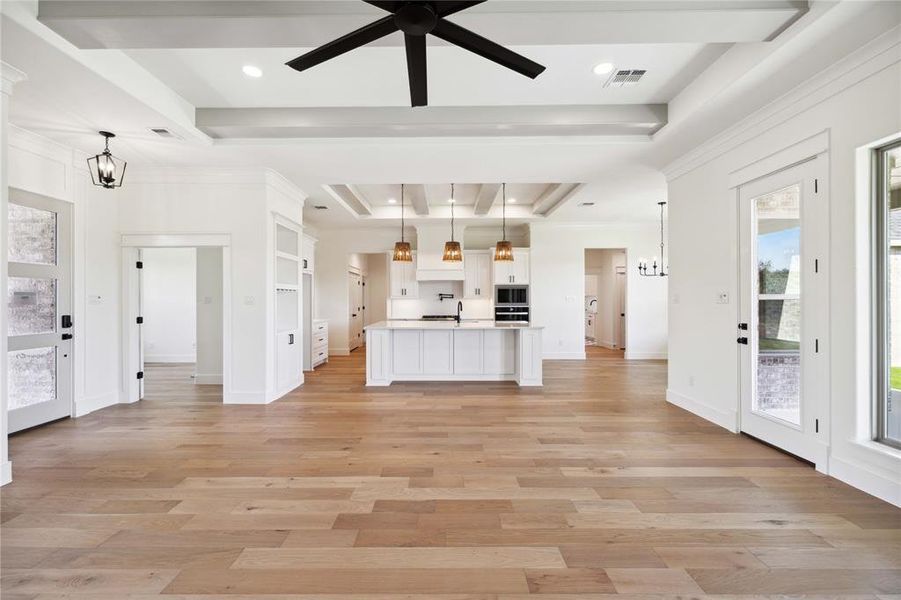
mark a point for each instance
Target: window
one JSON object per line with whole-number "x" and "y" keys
{"x": 887, "y": 288}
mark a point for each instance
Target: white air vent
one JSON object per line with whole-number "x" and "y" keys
{"x": 163, "y": 132}
{"x": 624, "y": 77}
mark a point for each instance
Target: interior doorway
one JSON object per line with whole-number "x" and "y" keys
{"x": 605, "y": 298}
{"x": 180, "y": 323}
{"x": 183, "y": 281}
{"x": 39, "y": 311}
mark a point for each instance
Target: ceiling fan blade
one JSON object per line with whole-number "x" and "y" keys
{"x": 351, "y": 41}
{"x": 468, "y": 40}
{"x": 416, "y": 70}
{"x": 384, "y": 4}
{"x": 449, "y": 7}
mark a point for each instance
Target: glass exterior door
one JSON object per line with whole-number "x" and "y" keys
{"x": 39, "y": 311}
{"x": 779, "y": 325}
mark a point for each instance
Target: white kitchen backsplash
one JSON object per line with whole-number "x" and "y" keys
{"x": 428, "y": 303}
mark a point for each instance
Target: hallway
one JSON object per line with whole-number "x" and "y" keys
{"x": 592, "y": 484}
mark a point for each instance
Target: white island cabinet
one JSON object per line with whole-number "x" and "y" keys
{"x": 448, "y": 351}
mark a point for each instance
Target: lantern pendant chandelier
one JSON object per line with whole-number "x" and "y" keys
{"x": 452, "y": 252}
{"x": 402, "y": 251}
{"x": 643, "y": 264}
{"x": 504, "y": 249}
{"x": 106, "y": 170}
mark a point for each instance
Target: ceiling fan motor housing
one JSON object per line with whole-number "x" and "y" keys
{"x": 416, "y": 18}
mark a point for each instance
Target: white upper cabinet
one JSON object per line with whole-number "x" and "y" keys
{"x": 516, "y": 272}
{"x": 477, "y": 275}
{"x": 403, "y": 279}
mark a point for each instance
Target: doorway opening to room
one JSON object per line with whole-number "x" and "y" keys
{"x": 175, "y": 332}
{"x": 605, "y": 299}
{"x": 367, "y": 294}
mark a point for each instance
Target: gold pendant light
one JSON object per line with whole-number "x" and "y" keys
{"x": 504, "y": 249}
{"x": 452, "y": 251}
{"x": 402, "y": 251}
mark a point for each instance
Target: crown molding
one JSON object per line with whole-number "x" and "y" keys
{"x": 285, "y": 186}
{"x": 880, "y": 54}
{"x": 10, "y": 76}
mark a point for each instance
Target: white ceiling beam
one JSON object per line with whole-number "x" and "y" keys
{"x": 627, "y": 120}
{"x": 416, "y": 194}
{"x": 350, "y": 198}
{"x": 125, "y": 24}
{"x": 555, "y": 196}
{"x": 485, "y": 198}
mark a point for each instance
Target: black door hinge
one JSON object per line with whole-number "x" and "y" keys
{"x": 139, "y": 320}
{"x": 139, "y": 265}
{"x": 816, "y": 265}
{"x": 816, "y": 345}
{"x": 742, "y": 340}
{"x": 140, "y": 374}
{"x": 816, "y": 186}
{"x": 816, "y": 425}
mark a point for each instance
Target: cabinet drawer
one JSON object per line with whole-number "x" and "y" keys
{"x": 320, "y": 339}
{"x": 320, "y": 326}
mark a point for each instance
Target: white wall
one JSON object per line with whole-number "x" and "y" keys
{"x": 208, "y": 369}
{"x": 169, "y": 305}
{"x": 856, "y": 102}
{"x": 558, "y": 287}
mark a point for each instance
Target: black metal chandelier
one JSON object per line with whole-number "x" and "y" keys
{"x": 106, "y": 170}
{"x": 651, "y": 271}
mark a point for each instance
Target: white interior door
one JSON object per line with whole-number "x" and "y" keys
{"x": 782, "y": 329}
{"x": 355, "y": 299}
{"x": 39, "y": 310}
{"x": 620, "y": 315}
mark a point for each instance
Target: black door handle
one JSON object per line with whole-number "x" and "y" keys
{"x": 742, "y": 340}
{"x": 290, "y": 338}
{"x": 67, "y": 336}
{"x": 743, "y": 326}
{"x": 66, "y": 321}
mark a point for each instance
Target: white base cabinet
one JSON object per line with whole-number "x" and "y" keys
{"x": 453, "y": 354}
{"x": 320, "y": 342}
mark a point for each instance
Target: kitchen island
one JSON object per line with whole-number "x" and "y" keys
{"x": 451, "y": 351}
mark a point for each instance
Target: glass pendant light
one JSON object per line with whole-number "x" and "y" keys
{"x": 106, "y": 170}
{"x": 402, "y": 251}
{"x": 504, "y": 249}
{"x": 452, "y": 251}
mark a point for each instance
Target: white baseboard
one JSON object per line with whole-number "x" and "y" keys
{"x": 564, "y": 355}
{"x": 727, "y": 419}
{"x": 339, "y": 351}
{"x": 857, "y": 475}
{"x": 89, "y": 404}
{"x": 207, "y": 378}
{"x": 247, "y": 398}
{"x": 645, "y": 355}
{"x": 6, "y": 473}
{"x": 170, "y": 358}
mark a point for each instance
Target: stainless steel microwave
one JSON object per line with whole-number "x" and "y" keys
{"x": 511, "y": 295}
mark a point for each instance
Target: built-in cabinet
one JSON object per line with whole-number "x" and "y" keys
{"x": 403, "y": 279}
{"x": 319, "y": 342}
{"x": 477, "y": 274}
{"x": 288, "y": 330}
{"x": 515, "y": 272}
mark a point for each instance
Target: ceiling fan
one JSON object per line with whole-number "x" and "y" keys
{"x": 416, "y": 19}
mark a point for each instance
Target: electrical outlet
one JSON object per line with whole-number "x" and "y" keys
{"x": 249, "y": 300}
{"x": 722, "y": 298}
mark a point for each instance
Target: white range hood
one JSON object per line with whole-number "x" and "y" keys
{"x": 429, "y": 251}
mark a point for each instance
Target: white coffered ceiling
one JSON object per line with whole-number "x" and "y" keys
{"x": 344, "y": 132}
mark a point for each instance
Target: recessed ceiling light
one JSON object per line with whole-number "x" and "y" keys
{"x": 603, "y": 68}
{"x": 511, "y": 200}
{"x": 252, "y": 71}
{"x": 392, "y": 200}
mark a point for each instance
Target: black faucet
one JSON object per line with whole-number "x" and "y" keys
{"x": 459, "y": 310}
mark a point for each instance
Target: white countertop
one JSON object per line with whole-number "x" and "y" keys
{"x": 464, "y": 324}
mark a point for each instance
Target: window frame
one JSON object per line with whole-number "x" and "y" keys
{"x": 880, "y": 302}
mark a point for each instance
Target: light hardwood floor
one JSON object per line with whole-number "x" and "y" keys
{"x": 593, "y": 485}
